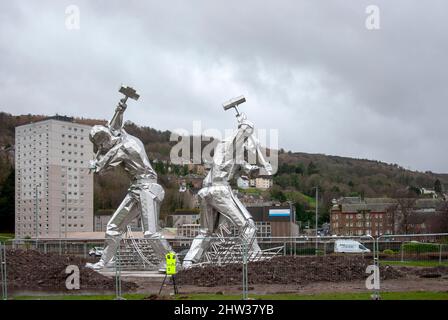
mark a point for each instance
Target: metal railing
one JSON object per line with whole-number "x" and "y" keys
{"x": 78, "y": 248}
{"x": 3, "y": 274}
{"x": 415, "y": 250}
{"x": 136, "y": 246}
{"x": 303, "y": 254}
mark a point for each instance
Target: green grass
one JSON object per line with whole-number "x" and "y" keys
{"x": 81, "y": 297}
{"x": 415, "y": 263}
{"x": 300, "y": 197}
{"x": 6, "y": 236}
{"x": 424, "y": 295}
{"x": 332, "y": 296}
{"x": 252, "y": 191}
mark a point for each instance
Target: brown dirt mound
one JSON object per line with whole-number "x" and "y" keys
{"x": 429, "y": 272}
{"x": 32, "y": 270}
{"x": 285, "y": 270}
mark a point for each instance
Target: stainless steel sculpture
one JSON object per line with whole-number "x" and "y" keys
{"x": 116, "y": 147}
{"x": 218, "y": 202}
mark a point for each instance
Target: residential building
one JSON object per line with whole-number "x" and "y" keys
{"x": 353, "y": 216}
{"x": 243, "y": 182}
{"x": 188, "y": 230}
{"x": 54, "y": 190}
{"x": 262, "y": 182}
{"x": 102, "y": 217}
{"x": 181, "y": 217}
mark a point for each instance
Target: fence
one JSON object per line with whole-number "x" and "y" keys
{"x": 418, "y": 249}
{"x": 419, "y": 255}
{"x": 79, "y": 248}
{"x": 284, "y": 265}
{"x": 298, "y": 261}
{"x": 3, "y": 275}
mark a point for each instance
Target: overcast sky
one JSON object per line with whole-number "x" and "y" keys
{"x": 310, "y": 69}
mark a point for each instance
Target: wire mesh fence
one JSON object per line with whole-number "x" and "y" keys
{"x": 3, "y": 274}
{"x": 284, "y": 265}
{"x": 318, "y": 261}
{"x": 420, "y": 259}
{"x": 418, "y": 249}
{"x": 223, "y": 265}
{"x": 79, "y": 248}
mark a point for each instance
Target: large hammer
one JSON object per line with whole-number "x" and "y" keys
{"x": 128, "y": 92}
{"x": 234, "y": 103}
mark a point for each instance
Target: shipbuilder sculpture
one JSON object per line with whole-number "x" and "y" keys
{"x": 218, "y": 202}
{"x": 115, "y": 147}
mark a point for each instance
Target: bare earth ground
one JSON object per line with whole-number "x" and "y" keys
{"x": 33, "y": 273}
{"x": 409, "y": 283}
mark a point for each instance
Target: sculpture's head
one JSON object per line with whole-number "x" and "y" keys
{"x": 102, "y": 138}
{"x": 245, "y": 127}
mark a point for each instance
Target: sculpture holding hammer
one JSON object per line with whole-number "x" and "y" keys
{"x": 218, "y": 202}
{"x": 114, "y": 147}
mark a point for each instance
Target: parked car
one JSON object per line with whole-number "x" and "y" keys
{"x": 349, "y": 246}
{"x": 96, "y": 252}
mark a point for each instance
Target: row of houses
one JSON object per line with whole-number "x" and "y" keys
{"x": 355, "y": 216}
{"x": 261, "y": 182}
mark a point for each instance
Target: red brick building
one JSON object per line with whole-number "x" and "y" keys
{"x": 353, "y": 216}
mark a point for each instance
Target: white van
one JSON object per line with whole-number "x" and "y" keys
{"x": 349, "y": 246}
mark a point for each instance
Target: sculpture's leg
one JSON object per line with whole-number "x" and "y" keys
{"x": 227, "y": 203}
{"x": 126, "y": 212}
{"x": 201, "y": 242}
{"x": 150, "y": 207}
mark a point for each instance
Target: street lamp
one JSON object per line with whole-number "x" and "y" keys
{"x": 317, "y": 206}
{"x": 59, "y": 225}
{"x": 317, "y": 212}
{"x": 36, "y": 211}
{"x": 65, "y": 212}
{"x": 291, "y": 224}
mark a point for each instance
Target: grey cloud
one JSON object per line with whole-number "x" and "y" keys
{"x": 309, "y": 68}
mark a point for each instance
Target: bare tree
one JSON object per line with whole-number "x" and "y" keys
{"x": 407, "y": 206}
{"x": 393, "y": 215}
{"x": 406, "y": 201}
{"x": 439, "y": 222}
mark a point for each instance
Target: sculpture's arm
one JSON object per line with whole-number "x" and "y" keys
{"x": 109, "y": 160}
{"x": 249, "y": 168}
{"x": 116, "y": 124}
{"x": 263, "y": 166}
{"x": 264, "y": 163}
